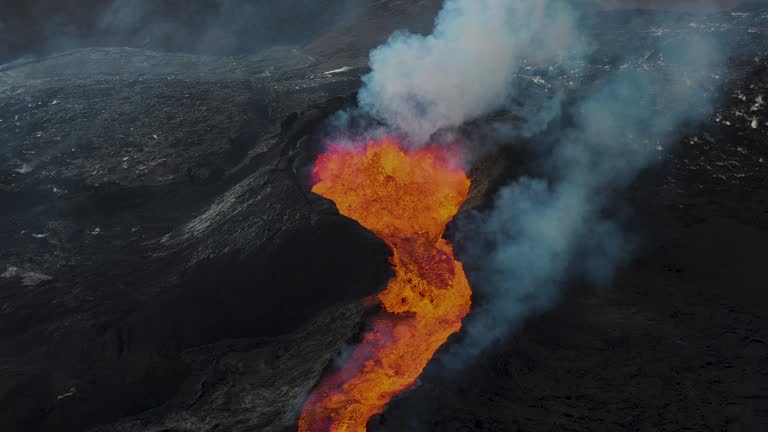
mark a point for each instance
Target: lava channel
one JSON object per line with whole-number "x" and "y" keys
{"x": 406, "y": 198}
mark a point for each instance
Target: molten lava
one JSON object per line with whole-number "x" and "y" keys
{"x": 406, "y": 198}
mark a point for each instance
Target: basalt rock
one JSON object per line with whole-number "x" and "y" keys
{"x": 151, "y": 207}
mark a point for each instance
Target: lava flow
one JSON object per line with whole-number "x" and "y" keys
{"x": 406, "y": 198}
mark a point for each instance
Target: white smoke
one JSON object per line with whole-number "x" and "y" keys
{"x": 420, "y": 84}
{"x": 540, "y": 229}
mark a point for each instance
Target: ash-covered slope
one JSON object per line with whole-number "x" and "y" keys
{"x": 151, "y": 204}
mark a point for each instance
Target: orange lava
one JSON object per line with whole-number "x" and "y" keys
{"x": 406, "y": 198}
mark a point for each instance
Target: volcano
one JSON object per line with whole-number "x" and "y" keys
{"x": 188, "y": 243}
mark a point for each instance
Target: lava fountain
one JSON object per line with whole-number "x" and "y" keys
{"x": 406, "y": 198}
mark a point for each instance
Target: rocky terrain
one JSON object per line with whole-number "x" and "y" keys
{"x": 149, "y": 210}
{"x": 164, "y": 267}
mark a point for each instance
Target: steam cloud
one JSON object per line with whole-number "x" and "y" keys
{"x": 539, "y": 230}
{"x": 420, "y": 84}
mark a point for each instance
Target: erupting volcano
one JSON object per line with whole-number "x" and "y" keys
{"x": 406, "y": 198}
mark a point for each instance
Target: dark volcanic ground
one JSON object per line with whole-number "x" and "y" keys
{"x": 164, "y": 267}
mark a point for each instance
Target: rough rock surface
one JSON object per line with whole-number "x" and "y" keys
{"x": 149, "y": 209}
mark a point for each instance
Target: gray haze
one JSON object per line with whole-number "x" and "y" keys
{"x": 216, "y": 27}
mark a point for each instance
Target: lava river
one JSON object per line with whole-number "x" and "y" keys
{"x": 406, "y": 198}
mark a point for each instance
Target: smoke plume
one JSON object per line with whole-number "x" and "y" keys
{"x": 420, "y": 84}
{"x": 543, "y": 228}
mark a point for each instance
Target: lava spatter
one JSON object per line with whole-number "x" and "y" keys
{"x": 406, "y": 198}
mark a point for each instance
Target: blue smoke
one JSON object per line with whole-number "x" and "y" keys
{"x": 540, "y": 230}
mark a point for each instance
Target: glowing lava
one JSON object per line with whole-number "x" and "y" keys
{"x": 406, "y": 198}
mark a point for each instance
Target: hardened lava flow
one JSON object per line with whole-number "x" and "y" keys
{"x": 406, "y": 198}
